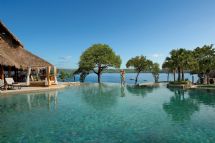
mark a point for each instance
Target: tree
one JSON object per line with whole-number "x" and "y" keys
{"x": 169, "y": 66}
{"x": 83, "y": 73}
{"x": 139, "y": 63}
{"x": 155, "y": 71}
{"x": 200, "y": 61}
{"x": 97, "y": 58}
{"x": 187, "y": 62}
{"x": 179, "y": 60}
{"x": 178, "y": 57}
{"x": 204, "y": 57}
{"x": 63, "y": 75}
{"x": 166, "y": 68}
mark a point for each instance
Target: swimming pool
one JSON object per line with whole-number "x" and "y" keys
{"x": 109, "y": 113}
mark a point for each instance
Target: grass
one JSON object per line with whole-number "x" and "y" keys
{"x": 179, "y": 82}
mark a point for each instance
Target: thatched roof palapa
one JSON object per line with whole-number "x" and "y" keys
{"x": 12, "y": 52}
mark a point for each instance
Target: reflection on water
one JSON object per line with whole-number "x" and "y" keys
{"x": 180, "y": 107}
{"x": 13, "y": 103}
{"x": 140, "y": 91}
{"x": 98, "y": 113}
{"x": 206, "y": 97}
{"x": 52, "y": 99}
{"x": 100, "y": 96}
{"x": 184, "y": 103}
{"x": 122, "y": 91}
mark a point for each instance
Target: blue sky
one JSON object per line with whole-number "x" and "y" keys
{"x": 60, "y": 30}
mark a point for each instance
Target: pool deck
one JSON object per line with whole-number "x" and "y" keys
{"x": 61, "y": 85}
{"x": 192, "y": 86}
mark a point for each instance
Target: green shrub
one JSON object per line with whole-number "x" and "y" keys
{"x": 179, "y": 82}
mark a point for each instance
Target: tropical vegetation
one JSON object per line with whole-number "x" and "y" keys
{"x": 141, "y": 63}
{"x": 65, "y": 75}
{"x": 198, "y": 61}
{"x": 155, "y": 71}
{"x": 97, "y": 58}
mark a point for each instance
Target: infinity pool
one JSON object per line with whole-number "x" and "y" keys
{"x": 109, "y": 113}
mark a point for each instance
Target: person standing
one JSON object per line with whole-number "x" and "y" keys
{"x": 122, "y": 73}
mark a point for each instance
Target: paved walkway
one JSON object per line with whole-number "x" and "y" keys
{"x": 61, "y": 85}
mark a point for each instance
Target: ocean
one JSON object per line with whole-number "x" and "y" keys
{"x": 130, "y": 77}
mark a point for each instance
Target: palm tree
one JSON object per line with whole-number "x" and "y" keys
{"x": 200, "y": 61}
{"x": 176, "y": 61}
{"x": 181, "y": 59}
{"x": 166, "y": 68}
{"x": 170, "y": 66}
{"x": 187, "y": 61}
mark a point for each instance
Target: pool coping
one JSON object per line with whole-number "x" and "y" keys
{"x": 63, "y": 85}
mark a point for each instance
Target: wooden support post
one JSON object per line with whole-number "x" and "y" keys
{"x": 16, "y": 74}
{"x": 28, "y": 76}
{"x": 55, "y": 71}
{"x": 9, "y": 71}
{"x": 55, "y": 76}
{"x": 2, "y": 72}
{"x": 38, "y": 72}
{"x": 48, "y": 75}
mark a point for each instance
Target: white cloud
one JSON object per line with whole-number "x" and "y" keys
{"x": 158, "y": 58}
{"x": 64, "y": 62}
{"x": 156, "y": 55}
{"x": 65, "y": 59}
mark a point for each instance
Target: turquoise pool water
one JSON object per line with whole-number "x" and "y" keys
{"x": 109, "y": 113}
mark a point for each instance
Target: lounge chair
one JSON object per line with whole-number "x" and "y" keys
{"x": 2, "y": 84}
{"x": 11, "y": 84}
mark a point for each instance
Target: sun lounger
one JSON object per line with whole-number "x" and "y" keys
{"x": 11, "y": 84}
